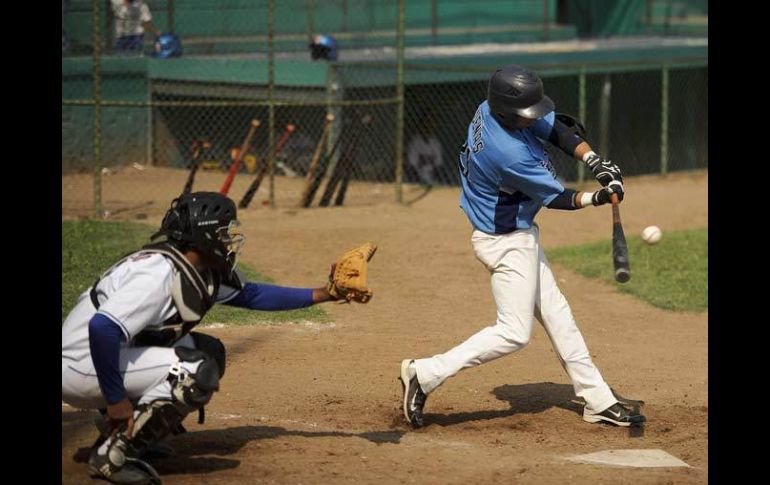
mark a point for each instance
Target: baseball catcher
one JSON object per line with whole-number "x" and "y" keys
{"x": 128, "y": 345}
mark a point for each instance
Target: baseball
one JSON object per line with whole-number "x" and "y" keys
{"x": 651, "y": 234}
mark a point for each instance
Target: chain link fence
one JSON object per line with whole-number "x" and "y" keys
{"x": 353, "y": 131}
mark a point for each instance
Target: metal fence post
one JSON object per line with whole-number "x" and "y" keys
{"x": 97, "y": 116}
{"x": 664, "y": 120}
{"x": 344, "y": 26}
{"x": 667, "y": 23}
{"x": 647, "y": 16}
{"x": 150, "y": 134}
{"x": 170, "y": 15}
{"x": 270, "y": 101}
{"x": 109, "y": 19}
{"x": 333, "y": 94}
{"x": 604, "y": 116}
{"x": 434, "y": 21}
{"x": 400, "y": 103}
{"x": 582, "y": 116}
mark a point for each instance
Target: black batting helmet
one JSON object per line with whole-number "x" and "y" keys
{"x": 516, "y": 91}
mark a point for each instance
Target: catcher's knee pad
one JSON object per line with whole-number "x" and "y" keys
{"x": 193, "y": 389}
{"x": 213, "y": 347}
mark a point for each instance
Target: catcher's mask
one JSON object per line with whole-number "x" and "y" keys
{"x": 206, "y": 222}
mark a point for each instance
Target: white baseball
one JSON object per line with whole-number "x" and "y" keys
{"x": 652, "y": 234}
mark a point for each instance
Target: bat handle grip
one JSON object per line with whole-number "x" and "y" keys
{"x": 615, "y": 209}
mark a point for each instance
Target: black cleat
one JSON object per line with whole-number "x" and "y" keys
{"x": 414, "y": 398}
{"x": 116, "y": 466}
{"x": 617, "y": 414}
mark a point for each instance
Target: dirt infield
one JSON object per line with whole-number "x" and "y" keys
{"x": 320, "y": 403}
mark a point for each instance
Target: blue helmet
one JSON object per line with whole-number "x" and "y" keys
{"x": 323, "y": 47}
{"x": 167, "y": 45}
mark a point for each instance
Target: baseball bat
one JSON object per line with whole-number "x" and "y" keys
{"x": 619, "y": 246}
{"x": 324, "y": 167}
{"x": 237, "y": 163}
{"x": 306, "y": 196}
{"x": 343, "y": 186}
{"x": 331, "y": 184}
{"x": 252, "y": 190}
{"x": 338, "y": 174}
{"x": 193, "y": 169}
{"x": 365, "y": 120}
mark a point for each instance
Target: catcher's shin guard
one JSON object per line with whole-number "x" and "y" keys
{"x": 155, "y": 421}
{"x": 117, "y": 458}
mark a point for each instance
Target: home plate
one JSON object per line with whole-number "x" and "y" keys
{"x": 630, "y": 458}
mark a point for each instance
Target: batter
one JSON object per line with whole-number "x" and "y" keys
{"x": 506, "y": 179}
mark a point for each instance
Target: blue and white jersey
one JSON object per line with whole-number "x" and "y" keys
{"x": 506, "y": 174}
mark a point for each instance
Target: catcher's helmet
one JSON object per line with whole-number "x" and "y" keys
{"x": 516, "y": 91}
{"x": 204, "y": 221}
{"x": 167, "y": 45}
{"x": 323, "y": 47}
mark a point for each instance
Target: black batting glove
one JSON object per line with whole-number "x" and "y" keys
{"x": 604, "y": 195}
{"x": 604, "y": 170}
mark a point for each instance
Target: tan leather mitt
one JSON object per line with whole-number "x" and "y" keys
{"x": 347, "y": 279}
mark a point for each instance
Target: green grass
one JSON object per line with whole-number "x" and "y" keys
{"x": 672, "y": 275}
{"x": 90, "y": 247}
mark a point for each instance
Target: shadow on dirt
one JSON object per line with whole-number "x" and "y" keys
{"x": 522, "y": 398}
{"x": 190, "y": 446}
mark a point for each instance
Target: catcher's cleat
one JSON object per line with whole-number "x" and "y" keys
{"x": 617, "y": 414}
{"x": 114, "y": 461}
{"x": 414, "y": 397}
{"x": 116, "y": 467}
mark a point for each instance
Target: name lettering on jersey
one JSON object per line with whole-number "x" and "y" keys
{"x": 477, "y": 125}
{"x": 208, "y": 223}
{"x": 546, "y": 163}
{"x": 141, "y": 257}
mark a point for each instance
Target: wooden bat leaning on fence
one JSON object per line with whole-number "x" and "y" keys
{"x": 262, "y": 170}
{"x": 237, "y": 163}
{"x": 306, "y": 198}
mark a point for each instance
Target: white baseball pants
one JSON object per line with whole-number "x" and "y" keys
{"x": 523, "y": 287}
{"x": 145, "y": 371}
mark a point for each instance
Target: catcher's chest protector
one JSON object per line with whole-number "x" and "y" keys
{"x": 192, "y": 293}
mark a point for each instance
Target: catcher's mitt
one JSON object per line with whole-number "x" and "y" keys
{"x": 347, "y": 279}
